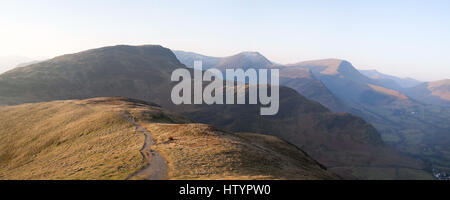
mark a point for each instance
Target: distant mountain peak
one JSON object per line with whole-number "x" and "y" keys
{"x": 247, "y": 59}
{"x": 253, "y": 56}
{"x": 371, "y": 70}
{"x": 331, "y": 66}
{"x": 329, "y": 62}
{"x": 250, "y": 53}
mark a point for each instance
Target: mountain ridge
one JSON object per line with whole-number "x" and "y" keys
{"x": 302, "y": 81}
{"x": 437, "y": 92}
{"x": 110, "y": 134}
{"x": 401, "y": 115}
{"x": 143, "y": 72}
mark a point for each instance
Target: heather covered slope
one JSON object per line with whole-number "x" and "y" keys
{"x": 94, "y": 139}
{"x": 143, "y": 72}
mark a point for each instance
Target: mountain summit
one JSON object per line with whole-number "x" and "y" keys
{"x": 244, "y": 60}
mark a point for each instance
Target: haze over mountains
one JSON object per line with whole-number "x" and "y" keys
{"x": 437, "y": 92}
{"x": 394, "y": 81}
{"x": 412, "y": 119}
{"x": 302, "y": 80}
{"x": 347, "y": 144}
{"x": 10, "y": 62}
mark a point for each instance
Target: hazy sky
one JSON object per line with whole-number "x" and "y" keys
{"x": 402, "y": 37}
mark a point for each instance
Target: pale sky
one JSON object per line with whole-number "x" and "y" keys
{"x": 402, "y": 37}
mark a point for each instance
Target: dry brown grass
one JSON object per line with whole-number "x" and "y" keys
{"x": 388, "y": 92}
{"x": 94, "y": 139}
{"x": 67, "y": 140}
{"x": 198, "y": 151}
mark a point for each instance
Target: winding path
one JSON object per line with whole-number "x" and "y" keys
{"x": 156, "y": 166}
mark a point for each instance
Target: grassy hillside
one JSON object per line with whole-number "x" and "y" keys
{"x": 338, "y": 140}
{"x": 95, "y": 139}
{"x": 198, "y": 151}
{"x": 143, "y": 72}
{"x": 67, "y": 140}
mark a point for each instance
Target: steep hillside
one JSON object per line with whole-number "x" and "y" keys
{"x": 188, "y": 58}
{"x": 437, "y": 93}
{"x": 244, "y": 61}
{"x": 135, "y": 72}
{"x": 347, "y": 83}
{"x": 413, "y": 127}
{"x": 300, "y": 79}
{"x": 106, "y": 138}
{"x": 303, "y": 81}
{"x": 67, "y": 140}
{"x": 336, "y": 140}
{"x": 391, "y": 82}
{"x": 143, "y": 72}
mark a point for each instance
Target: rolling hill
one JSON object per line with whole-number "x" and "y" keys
{"x": 338, "y": 140}
{"x": 121, "y": 138}
{"x": 348, "y": 84}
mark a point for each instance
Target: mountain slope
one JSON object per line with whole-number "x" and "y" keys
{"x": 67, "y": 140}
{"x": 188, "y": 58}
{"x": 9, "y": 62}
{"x": 244, "y": 61}
{"x": 391, "y": 82}
{"x": 303, "y": 81}
{"x": 347, "y": 83}
{"x": 94, "y": 139}
{"x": 413, "y": 127}
{"x": 143, "y": 72}
{"x": 336, "y": 140}
{"x": 437, "y": 93}
{"x": 110, "y": 71}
